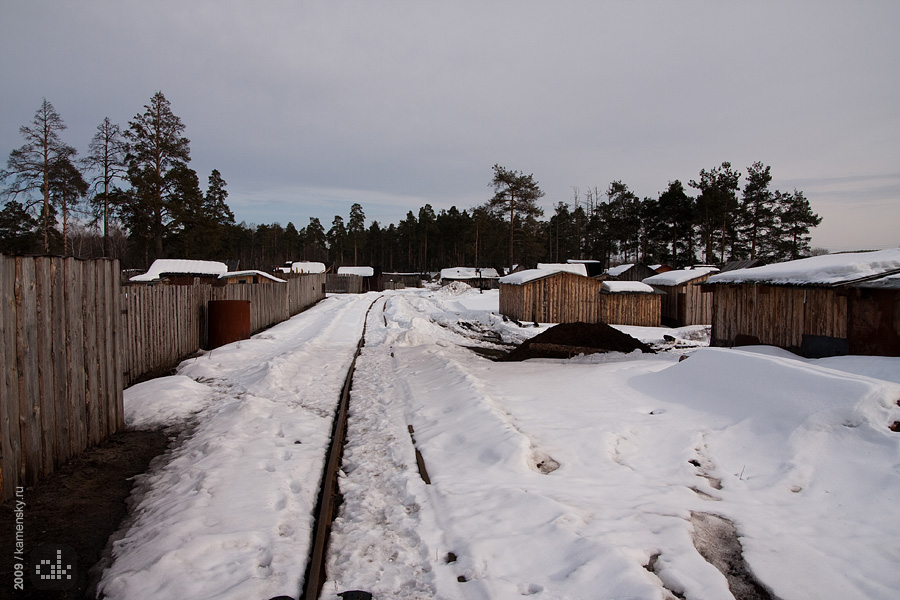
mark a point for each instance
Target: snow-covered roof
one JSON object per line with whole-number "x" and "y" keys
{"x": 616, "y": 271}
{"x": 577, "y": 268}
{"x": 672, "y": 278}
{"x": 361, "y": 271}
{"x": 534, "y": 274}
{"x": 828, "y": 269}
{"x": 250, "y": 274}
{"x": 469, "y": 273}
{"x": 177, "y": 266}
{"x": 582, "y": 261}
{"x": 626, "y": 287}
{"x": 307, "y": 267}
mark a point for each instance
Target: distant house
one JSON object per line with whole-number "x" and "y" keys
{"x": 577, "y": 268}
{"x": 237, "y": 277}
{"x": 173, "y": 271}
{"x": 594, "y": 267}
{"x": 302, "y": 267}
{"x": 480, "y": 277}
{"x": 820, "y": 306}
{"x": 560, "y": 296}
{"x": 629, "y": 272}
{"x": 396, "y": 281}
{"x": 371, "y": 277}
{"x": 684, "y": 302}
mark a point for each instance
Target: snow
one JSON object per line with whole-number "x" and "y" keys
{"x": 626, "y": 287}
{"x": 550, "y": 478}
{"x": 162, "y": 266}
{"x": 828, "y": 269}
{"x": 250, "y": 274}
{"x": 678, "y": 277}
{"x": 532, "y": 274}
{"x": 469, "y": 273}
{"x": 304, "y": 267}
{"x": 361, "y": 271}
{"x": 618, "y": 270}
{"x": 577, "y": 268}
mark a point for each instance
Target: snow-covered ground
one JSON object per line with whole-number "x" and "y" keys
{"x": 551, "y": 478}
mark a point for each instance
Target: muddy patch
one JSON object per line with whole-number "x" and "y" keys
{"x": 81, "y": 505}
{"x": 571, "y": 339}
{"x": 717, "y": 542}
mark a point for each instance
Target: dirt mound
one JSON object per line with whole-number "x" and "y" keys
{"x": 570, "y": 339}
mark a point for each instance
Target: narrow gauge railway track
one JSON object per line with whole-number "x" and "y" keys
{"x": 329, "y": 493}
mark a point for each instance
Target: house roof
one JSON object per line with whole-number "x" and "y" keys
{"x": 618, "y": 270}
{"x": 251, "y": 273}
{"x": 577, "y": 268}
{"x": 678, "y": 277}
{"x": 826, "y": 270}
{"x": 626, "y": 287}
{"x": 361, "y": 271}
{"x": 175, "y": 266}
{"x": 522, "y": 277}
{"x": 469, "y": 273}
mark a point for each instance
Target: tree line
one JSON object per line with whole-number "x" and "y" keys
{"x": 134, "y": 197}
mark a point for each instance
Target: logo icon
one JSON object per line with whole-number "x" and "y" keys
{"x": 53, "y": 567}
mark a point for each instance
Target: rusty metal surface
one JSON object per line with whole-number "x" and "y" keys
{"x": 228, "y": 321}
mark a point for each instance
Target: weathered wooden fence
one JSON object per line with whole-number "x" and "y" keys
{"x": 61, "y": 383}
{"x": 343, "y": 284}
{"x": 72, "y": 337}
{"x": 164, "y": 324}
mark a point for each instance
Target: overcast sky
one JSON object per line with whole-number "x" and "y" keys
{"x": 306, "y": 108}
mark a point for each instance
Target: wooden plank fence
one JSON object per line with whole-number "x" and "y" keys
{"x": 61, "y": 385}
{"x": 343, "y": 284}
{"x": 72, "y": 337}
{"x": 166, "y": 323}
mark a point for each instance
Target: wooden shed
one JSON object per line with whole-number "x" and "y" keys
{"x": 630, "y": 303}
{"x": 174, "y": 271}
{"x": 542, "y": 296}
{"x": 629, "y": 272}
{"x": 547, "y": 296}
{"x": 819, "y": 306}
{"x": 485, "y": 278}
{"x": 684, "y": 302}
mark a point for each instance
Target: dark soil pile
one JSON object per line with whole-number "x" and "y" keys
{"x": 571, "y": 339}
{"x": 80, "y": 505}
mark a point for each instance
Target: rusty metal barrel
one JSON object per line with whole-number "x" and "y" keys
{"x": 228, "y": 321}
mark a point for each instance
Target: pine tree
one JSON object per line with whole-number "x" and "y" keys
{"x": 717, "y": 209}
{"x": 337, "y": 236}
{"x": 157, "y": 150}
{"x": 106, "y": 158}
{"x": 515, "y": 194}
{"x": 356, "y": 228}
{"x": 676, "y": 210}
{"x": 30, "y": 166}
{"x": 794, "y": 220}
{"x": 758, "y": 210}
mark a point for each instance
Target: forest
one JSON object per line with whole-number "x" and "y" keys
{"x": 134, "y": 197}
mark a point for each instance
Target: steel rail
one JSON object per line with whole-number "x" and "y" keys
{"x": 329, "y": 492}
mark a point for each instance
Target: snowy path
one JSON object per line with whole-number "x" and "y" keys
{"x": 577, "y": 478}
{"x": 234, "y": 502}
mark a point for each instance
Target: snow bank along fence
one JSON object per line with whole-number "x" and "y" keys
{"x": 165, "y": 323}
{"x": 562, "y": 297}
{"x": 61, "y": 383}
{"x": 72, "y": 338}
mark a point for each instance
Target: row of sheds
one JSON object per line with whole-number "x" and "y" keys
{"x": 819, "y": 306}
{"x": 563, "y": 293}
